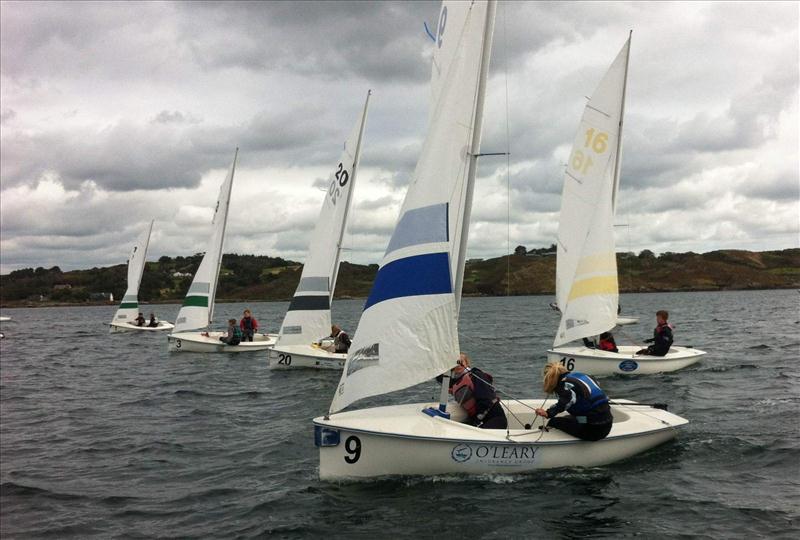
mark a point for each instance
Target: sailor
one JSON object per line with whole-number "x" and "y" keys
{"x": 607, "y": 342}
{"x": 337, "y": 342}
{"x": 589, "y": 414}
{"x": 234, "y": 335}
{"x": 139, "y": 320}
{"x": 662, "y": 336}
{"x": 472, "y": 389}
{"x": 248, "y": 325}
{"x": 153, "y": 322}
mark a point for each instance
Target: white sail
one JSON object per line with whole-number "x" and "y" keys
{"x": 587, "y": 289}
{"x": 129, "y": 307}
{"x": 309, "y": 315}
{"x": 408, "y": 330}
{"x": 198, "y": 306}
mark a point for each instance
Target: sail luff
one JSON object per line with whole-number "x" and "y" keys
{"x": 475, "y": 148}
{"x": 618, "y": 160}
{"x": 213, "y": 290}
{"x": 129, "y": 306}
{"x": 356, "y": 159}
{"x": 144, "y": 256}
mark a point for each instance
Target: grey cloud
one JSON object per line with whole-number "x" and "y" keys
{"x": 374, "y": 204}
{"x": 7, "y": 115}
{"x": 174, "y": 117}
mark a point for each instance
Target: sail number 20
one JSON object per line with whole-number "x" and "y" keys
{"x": 340, "y": 178}
{"x": 598, "y": 142}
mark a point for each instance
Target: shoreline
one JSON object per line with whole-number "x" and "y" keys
{"x": 248, "y": 300}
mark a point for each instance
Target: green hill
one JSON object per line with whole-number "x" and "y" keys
{"x": 259, "y": 277}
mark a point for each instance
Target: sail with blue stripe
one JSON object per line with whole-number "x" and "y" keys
{"x": 408, "y": 332}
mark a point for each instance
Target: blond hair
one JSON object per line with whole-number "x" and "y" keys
{"x": 551, "y": 373}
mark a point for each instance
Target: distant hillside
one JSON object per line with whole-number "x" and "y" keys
{"x": 258, "y": 277}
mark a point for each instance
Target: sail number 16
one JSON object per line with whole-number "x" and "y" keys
{"x": 598, "y": 142}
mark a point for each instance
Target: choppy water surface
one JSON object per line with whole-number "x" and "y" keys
{"x": 112, "y": 436}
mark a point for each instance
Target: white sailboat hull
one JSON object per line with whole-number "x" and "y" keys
{"x": 624, "y": 321}
{"x": 403, "y": 441}
{"x": 625, "y": 362}
{"x": 304, "y": 356}
{"x": 128, "y": 327}
{"x": 197, "y": 342}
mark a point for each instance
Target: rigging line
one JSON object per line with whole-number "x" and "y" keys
{"x": 508, "y": 157}
{"x": 629, "y": 338}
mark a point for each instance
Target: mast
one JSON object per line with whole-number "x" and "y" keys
{"x": 474, "y": 150}
{"x": 618, "y": 157}
{"x": 212, "y": 294}
{"x": 356, "y": 157}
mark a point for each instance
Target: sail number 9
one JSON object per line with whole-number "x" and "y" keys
{"x": 598, "y": 142}
{"x": 353, "y": 448}
{"x": 340, "y": 178}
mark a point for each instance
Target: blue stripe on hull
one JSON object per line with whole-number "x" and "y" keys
{"x": 412, "y": 276}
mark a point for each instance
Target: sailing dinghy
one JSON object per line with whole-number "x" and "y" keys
{"x": 128, "y": 310}
{"x": 408, "y": 331}
{"x": 587, "y": 288}
{"x": 197, "y": 311}
{"x": 308, "y": 318}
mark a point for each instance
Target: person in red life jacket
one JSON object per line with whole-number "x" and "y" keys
{"x": 589, "y": 414}
{"x": 662, "y": 336}
{"x": 473, "y": 390}
{"x": 248, "y": 325}
{"x": 607, "y": 342}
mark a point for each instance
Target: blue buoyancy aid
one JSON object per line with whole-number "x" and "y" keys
{"x": 588, "y": 395}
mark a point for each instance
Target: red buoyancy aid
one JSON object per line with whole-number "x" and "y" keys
{"x": 606, "y": 345}
{"x": 463, "y": 391}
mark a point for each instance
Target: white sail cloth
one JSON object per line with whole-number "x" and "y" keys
{"x": 587, "y": 289}
{"x": 198, "y": 306}
{"x": 408, "y": 330}
{"x": 129, "y": 307}
{"x": 309, "y": 315}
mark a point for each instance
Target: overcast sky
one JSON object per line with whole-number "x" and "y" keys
{"x": 117, "y": 113}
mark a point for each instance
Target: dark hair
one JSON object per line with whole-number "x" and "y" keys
{"x": 664, "y": 314}
{"x": 231, "y": 321}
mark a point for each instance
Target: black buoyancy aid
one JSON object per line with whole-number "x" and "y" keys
{"x": 588, "y": 395}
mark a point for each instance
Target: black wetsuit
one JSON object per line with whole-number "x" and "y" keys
{"x": 590, "y": 416}
{"x": 662, "y": 341}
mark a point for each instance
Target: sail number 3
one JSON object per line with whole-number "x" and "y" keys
{"x": 598, "y": 142}
{"x": 340, "y": 178}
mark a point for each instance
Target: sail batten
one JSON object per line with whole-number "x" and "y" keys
{"x": 587, "y": 289}
{"x": 408, "y": 331}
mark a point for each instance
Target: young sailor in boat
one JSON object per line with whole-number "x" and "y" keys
{"x": 337, "y": 342}
{"x": 248, "y": 325}
{"x": 589, "y": 414}
{"x": 153, "y": 322}
{"x": 607, "y": 342}
{"x": 662, "y": 336}
{"x": 234, "y": 335}
{"x": 139, "y": 320}
{"x": 472, "y": 389}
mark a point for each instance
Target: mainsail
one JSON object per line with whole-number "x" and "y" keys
{"x": 129, "y": 307}
{"x": 408, "y": 330}
{"x": 198, "y": 306}
{"x": 587, "y": 289}
{"x": 309, "y": 315}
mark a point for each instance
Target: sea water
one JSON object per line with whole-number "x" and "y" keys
{"x": 110, "y": 435}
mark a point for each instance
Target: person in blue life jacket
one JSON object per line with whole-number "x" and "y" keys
{"x": 589, "y": 413}
{"x": 473, "y": 390}
{"x": 662, "y": 336}
{"x": 234, "y": 335}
